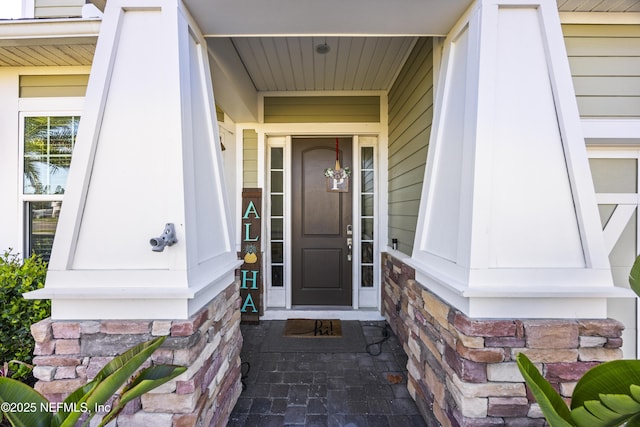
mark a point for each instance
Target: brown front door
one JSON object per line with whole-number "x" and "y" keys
{"x": 321, "y": 268}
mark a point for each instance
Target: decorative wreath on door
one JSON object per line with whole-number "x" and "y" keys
{"x": 337, "y": 177}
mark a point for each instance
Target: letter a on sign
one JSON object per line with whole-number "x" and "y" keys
{"x": 248, "y": 302}
{"x": 251, "y": 209}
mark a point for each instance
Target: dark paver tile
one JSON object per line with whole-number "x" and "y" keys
{"x": 375, "y": 391}
{"x": 279, "y": 390}
{"x": 243, "y": 405}
{"x": 337, "y": 394}
{"x": 303, "y": 377}
{"x": 257, "y": 390}
{"x": 268, "y": 366}
{"x": 264, "y": 421}
{"x": 295, "y": 415}
{"x": 260, "y": 405}
{"x": 400, "y": 391}
{"x": 408, "y": 421}
{"x": 403, "y": 406}
{"x": 320, "y": 378}
{"x": 336, "y": 405}
{"x": 356, "y": 407}
{"x": 237, "y": 420}
{"x": 356, "y": 393}
{"x": 316, "y": 421}
{"x": 279, "y": 406}
{"x": 318, "y": 390}
{"x": 378, "y": 421}
{"x": 324, "y": 389}
{"x": 269, "y": 377}
{"x": 317, "y": 406}
{"x": 298, "y": 394}
{"x": 379, "y": 406}
{"x": 341, "y": 420}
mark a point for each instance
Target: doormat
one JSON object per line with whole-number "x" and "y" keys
{"x": 313, "y": 328}
{"x": 275, "y": 341}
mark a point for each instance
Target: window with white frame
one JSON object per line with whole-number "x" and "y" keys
{"x": 367, "y": 216}
{"x": 276, "y": 239}
{"x": 47, "y": 147}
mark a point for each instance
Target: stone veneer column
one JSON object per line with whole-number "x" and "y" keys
{"x": 69, "y": 353}
{"x": 462, "y": 371}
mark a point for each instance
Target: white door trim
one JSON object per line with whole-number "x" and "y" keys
{"x": 365, "y": 300}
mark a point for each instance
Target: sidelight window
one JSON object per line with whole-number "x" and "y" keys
{"x": 276, "y": 239}
{"x": 367, "y": 216}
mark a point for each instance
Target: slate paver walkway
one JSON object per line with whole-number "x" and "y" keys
{"x": 356, "y": 389}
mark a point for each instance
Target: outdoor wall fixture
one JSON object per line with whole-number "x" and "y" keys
{"x": 168, "y": 238}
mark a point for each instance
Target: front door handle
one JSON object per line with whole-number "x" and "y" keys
{"x": 349, "y": 248}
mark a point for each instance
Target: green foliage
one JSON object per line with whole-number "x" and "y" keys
{"x": 607, "y": 395}
{"x": 81, "y": 404}
{"x": 16, "y": 313}
{"x": 555, "y": 410}
{"x": 634, "y": 276}
{"x": 613, "y": 377}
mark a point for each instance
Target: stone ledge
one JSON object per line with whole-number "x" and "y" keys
{"x": 73, "y": 352}
{"x": 472, "y": 361}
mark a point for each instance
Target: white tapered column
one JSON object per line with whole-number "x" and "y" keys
{"x": 508, "y": 223}
{"x": 147, "y": 153}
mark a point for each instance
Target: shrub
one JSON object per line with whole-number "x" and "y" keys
{"x": 88, "y": 399}
{"x": 16, "y": 313}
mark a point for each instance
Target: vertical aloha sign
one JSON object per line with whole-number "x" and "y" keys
{"x": 250, "y": 271}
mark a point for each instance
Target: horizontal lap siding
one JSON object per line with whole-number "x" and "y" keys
{"x": 53, "y": 85}
{"x": 410, "y": 118}
{"x": 249, "y": 158}
{"x": 605, "y": 65}
{"x": 322, "y": 109}
{"x": 58, "y": 8}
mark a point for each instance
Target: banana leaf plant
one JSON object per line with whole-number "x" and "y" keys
{"x": 607, "y": 395}
{"x": 24, "y": 406}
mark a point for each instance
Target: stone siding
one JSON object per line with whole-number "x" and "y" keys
{"x": 69, "y": 353}
{"x": 462, "y": 371}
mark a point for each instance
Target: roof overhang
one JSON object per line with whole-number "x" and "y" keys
{"x": 329, "y": 17}
{"x": 36, "y": 31}
{"x": 29, "y": 42}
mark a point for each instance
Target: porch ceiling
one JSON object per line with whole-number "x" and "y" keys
{"x": 332, "y": 17}
{"x": 292, "y": 63}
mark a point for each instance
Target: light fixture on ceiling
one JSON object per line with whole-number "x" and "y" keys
{"x": 323, "y": 48}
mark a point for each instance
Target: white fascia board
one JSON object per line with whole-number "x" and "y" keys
{"x": 116, "y": 293}
{"x": 119, "y": 309}
{"x": 309, "y": 93}
{"x": 616, "y": 18}
{"x": 275, "y": 129}
{"x": 16, "y": 31}
{"x": 573, "y": 307}
{"x": 134, "y": 278}
{"x": 611, "y": 128}
{"x": 533, "y": 300}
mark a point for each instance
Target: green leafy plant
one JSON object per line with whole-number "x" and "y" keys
{"x": 23, "y": 406}
{"x": 17, "y": 314}
{"x": 607, "y": 395}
